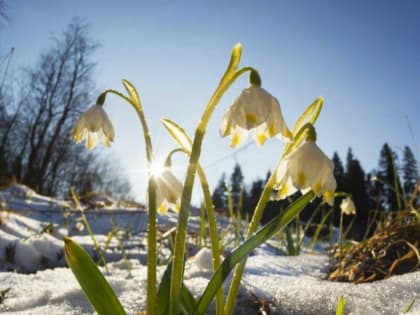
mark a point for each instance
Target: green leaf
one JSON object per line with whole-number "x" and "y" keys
{"x": 188, "y": 302}
{"x": 163, "y": 291}
{"x": 96, "y": 288}
{"x": 3, "y": 294}
{"x": 340, "y": 306}
{"x": 310, "y": 115}
{"x": 131, "y": 90}
{"x": 291, "y": 250}
{"x": 235, "y": 57}
{"x": 262, "y": 235}
{"x": 315, "y": 237}
{"x": 409, "y": 307}
{"x": 178, "y": 134}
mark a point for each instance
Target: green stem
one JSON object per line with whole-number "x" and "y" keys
{"x": 215, "y": 244}
{"x": 340, "y": 253}
{"x": 211, "y": 214}
{"x": 259, "y": 210}
{"x": 151, "y": 248}
{"x": 255, "y": 221}
{"x": 178, "y": 261}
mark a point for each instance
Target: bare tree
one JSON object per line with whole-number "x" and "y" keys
{"x": 52, "y": 96}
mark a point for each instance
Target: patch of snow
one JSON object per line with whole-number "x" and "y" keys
{"x": 286, "y": 284}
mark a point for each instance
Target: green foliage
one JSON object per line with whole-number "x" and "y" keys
{"x": 261, "y": 236}
{"x": 93, "y": 283}
{"x": 340, "y": 306}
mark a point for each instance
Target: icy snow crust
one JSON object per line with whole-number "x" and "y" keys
{"x": 287, "y": 285}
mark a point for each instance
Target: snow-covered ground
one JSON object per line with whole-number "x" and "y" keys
{"x": 284, "y": 285}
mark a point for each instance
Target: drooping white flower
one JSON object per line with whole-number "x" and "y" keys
{"x": 168, "y": 190}
{"x": 80, "y": 226}
{"x": 347, "y": 206}
{"x": 94, "y": 126}
{"x": 306, "y": 168}
{"x": 257, "y": 112}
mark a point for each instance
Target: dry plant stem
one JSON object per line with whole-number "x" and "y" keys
{"x": 151, "y": 191}
{"x": 340, "y": 254}
{"x": 89, "y": 229}
{"x": 178, "y": 261}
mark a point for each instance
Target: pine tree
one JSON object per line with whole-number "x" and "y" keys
{"x": 410, "y": 173}
{"x": 388, "y": 175}
{"x": 355, "y": 181}
{"x": 338, "y": 172}
{"x": 236, "y": 184}
{"x": 219, "y": 193}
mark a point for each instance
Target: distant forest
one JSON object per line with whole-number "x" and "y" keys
{"x": 393, "y": 186}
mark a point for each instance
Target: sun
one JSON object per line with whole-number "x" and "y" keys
{"x": 156, "y": 169}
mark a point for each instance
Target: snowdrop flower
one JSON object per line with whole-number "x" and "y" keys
{"x": 347, "y": 206}
{"x": 255, "y": 111}
{"x": 80, "y": 226}
{"x": 168, "y": 190}
{"x": 94, "y": 126}
{"x": 306, "y": 168}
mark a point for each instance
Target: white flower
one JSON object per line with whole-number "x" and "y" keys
{"x": 256, "y": 111}
{"x": 168, "y": 190}
{"x": 347, "y": 206}
{"x": 306, "y": 168}
{"x": 80, "y": 226}
{"x": 94, "y": 126}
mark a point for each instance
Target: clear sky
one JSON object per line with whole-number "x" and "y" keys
{"x": 363, "y": 57}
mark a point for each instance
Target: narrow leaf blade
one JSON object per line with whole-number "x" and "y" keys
{"x": 178, "y": 134}
{"x": 163, "y": 291}
{"x": 262, "y": 235}
{"x": 96, "y": 288}
{"x": 340, "y": 306}
{"x": 131, "y": 90}
{"x": 188, "y": 301}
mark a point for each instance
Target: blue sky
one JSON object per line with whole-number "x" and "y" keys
{"x": 361, "y": 56}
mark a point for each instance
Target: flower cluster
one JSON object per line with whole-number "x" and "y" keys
{"x": 257, "y": 112}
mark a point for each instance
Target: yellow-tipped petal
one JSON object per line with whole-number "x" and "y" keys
{"x": 163, "y": 207}
{"x": 236, "y": 139}
{"x": 287, "y": 134}
{"x": 90, "y": 141}
{"x": 282, "y": 193}
{"x": 301, "y": 179}
{"x": 261, "y": 139}
{"x": 329, "y": 197}
{"x": 317, "y": 188}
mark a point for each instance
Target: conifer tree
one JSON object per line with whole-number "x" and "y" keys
{"x": 388, "y": 175}
{"x": 236, "y": 184}
{"x": 410, "y": 173}
{"x": 355, "y": 184}
{"x": 218, "y": 196}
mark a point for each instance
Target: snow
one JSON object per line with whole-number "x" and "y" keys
{"x": 286, "y": 285}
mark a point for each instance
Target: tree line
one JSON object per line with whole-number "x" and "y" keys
{"x": 394, "y": 185}
{"x": 36, "y": 122}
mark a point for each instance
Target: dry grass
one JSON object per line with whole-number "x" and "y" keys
{"x": 393, "y": 250}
